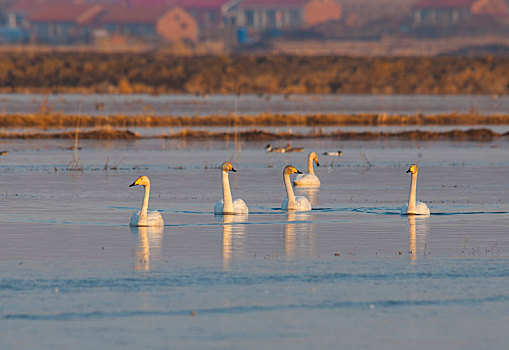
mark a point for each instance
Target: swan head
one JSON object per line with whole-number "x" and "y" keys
{"x": 413, "y": 169}
{"x": 228, "y": 167}
{"x": 290, "y": 169}
{"x": 268, "y": 147}
{"x": 340, "y": 153}
{"x": 314, "y": 157}
{"x": 141, "y": 181}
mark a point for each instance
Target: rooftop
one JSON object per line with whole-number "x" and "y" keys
{"x": 123, "y": 14}
{"x": 58, "y": 11}
{"x": 273, "y": 3}
{"x": 195, "y": 4}
{"x": 444, "y": 4}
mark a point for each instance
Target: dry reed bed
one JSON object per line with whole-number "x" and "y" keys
{"x": 43, "y": 121}
{"x": 96, "y": 134}
{"x": 413, "y": 135}
{"x": 479, "y": 135}
{"x": 165, "y": 73}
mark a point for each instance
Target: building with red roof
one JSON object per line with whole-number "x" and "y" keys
{"x": 208, "y": 13}
{"x": 54, "y": 21}
{"x": 442, "y": 12}
{"x": 169, "y": 23}
{"x": 450, "y": 12}
{"x": 259, "y": 15}
{"x": 68, "y": 22}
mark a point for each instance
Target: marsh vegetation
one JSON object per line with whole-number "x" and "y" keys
{"x": 160, "y": 73}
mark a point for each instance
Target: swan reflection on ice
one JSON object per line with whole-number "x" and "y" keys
{"x": 147, "y": 240}
{"x": 299, "y": 235}
{"x": 418, "y": 228}
{"x": 234, "y": 237}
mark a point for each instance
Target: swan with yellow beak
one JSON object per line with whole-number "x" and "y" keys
{"x": 143, "y": 217}
{"x": 414, "y": 207}
{"x": 227, "y": 205}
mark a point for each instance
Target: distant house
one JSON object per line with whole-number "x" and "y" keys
{"x": 444, "y": 12}
{"x": 16, "y": 13}
{"x": 262, "y": 15}
{"x": 172, "y": 24}
{"x": 54, "y": 22}
{"x": 207, "y": 13}
{"x": 450, "y": 12}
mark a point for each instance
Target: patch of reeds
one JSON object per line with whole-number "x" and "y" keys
{"x": 55, "y": 120}
{"x": 96, "y": 134}
{"x": 75, "y": 164}
{"x": 89, "y": 72}
{"x": 478, "y": 135}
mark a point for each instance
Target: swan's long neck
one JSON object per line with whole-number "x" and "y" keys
{"x": 144, "y": 207}
{"x": 227, "y": 193}
{"x": 310, "y": 165}
{"x": 289, "y": 191}
{"x": 413, "y": 193}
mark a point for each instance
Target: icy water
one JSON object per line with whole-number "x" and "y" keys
{"x": 352, "y": 273}
{"x": 191, "y": 105}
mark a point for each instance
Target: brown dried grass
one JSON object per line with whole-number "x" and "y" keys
{"x": 96, "y": 134}
{"x": 45, "y": 121}
{"x": 478, "y": 135}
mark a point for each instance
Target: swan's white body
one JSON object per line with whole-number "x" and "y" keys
{"x": 291, "y": 202}
{"x": 227, "y": 205}
{"x": 239, "y": 207}
{"x": 414, "y": 207}
{"x": 143, "y": 217}
{"x": 420, "y": 209}
{"x": 153, "y": 218}
{"x": 310, "y": 179}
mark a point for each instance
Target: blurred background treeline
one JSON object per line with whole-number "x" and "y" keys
{"x": 304, "y": 27}
{"x": 240, "y": 74}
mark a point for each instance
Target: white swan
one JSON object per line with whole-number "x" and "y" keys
{"x": 143, "y": 217}
{"x": 227, "y": 205}
{"x": 271, "y": 149}
{"x": 299, "y": 203}
{"x": 414, "y": 207}
{"x": 310, "y": 179}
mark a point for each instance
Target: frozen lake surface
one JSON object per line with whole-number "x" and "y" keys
{"x": 352, "y": 273}
{"x": 191, "y": 105}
